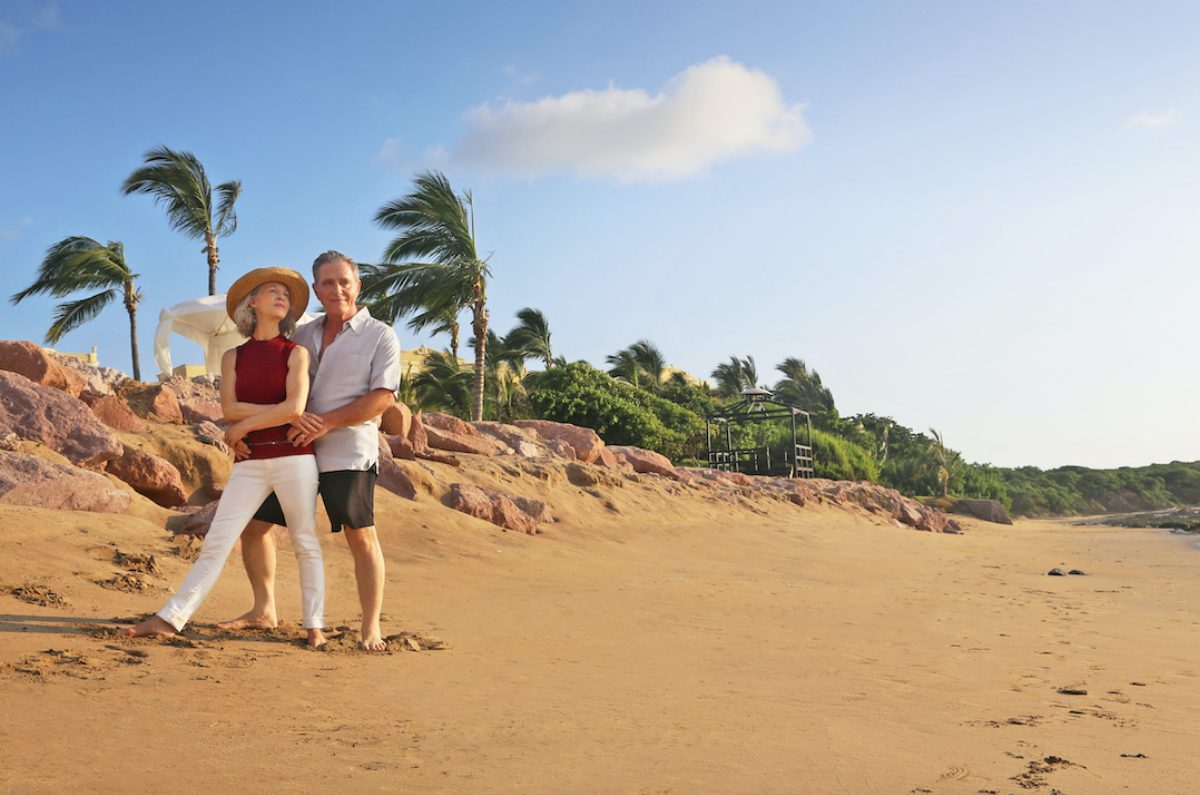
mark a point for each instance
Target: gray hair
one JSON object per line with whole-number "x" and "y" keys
{"x": 245, "y": 318}
{"x": 332, "y": 256}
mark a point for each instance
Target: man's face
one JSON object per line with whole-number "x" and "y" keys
{"x": 337, "y": 288}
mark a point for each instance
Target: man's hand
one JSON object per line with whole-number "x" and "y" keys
{"x": 307, "y": 429}
{"x": 241, "y": 451}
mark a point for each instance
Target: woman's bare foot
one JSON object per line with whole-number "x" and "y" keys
{"x": 316, "y": 638}
{"x": 151, "y": 627}
{"x": 372, "y": 638}
{"x": 254, "y": 619}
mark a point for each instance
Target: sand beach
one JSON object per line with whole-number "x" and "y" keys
{"x": 667, "y": 644}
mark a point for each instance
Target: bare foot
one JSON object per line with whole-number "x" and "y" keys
{"x": 372, "y": 639}
{"x": 153, "y": 626}
{"x": 255, "y": 619}
{"x": 316, "y": 638}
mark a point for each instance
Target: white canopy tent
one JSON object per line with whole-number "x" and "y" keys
{"x": 204, "y": 322}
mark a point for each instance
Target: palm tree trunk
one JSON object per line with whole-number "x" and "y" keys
{"x": 214, "y": 258}
{"x": 131, "y": 308}
{"x": 479, "y": 324}
{"x": 454, "y": 340}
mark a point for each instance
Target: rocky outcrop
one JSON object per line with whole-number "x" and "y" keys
{"x": 29, "y": 480}
{"x": 522, "y": 442}
{"x": 584, "y": 442}
{"x": 55, "y": 419}
{"x": 418, "y": 437}
{"x": 113, "y": 412}
{"x": 878, "y": 500}
{"x": 200, "y": 409}
{"x": 493, "y": 506}
{"x": 36, "y": 364}
{"x": 153, "y": 401}
{"x": 446, "y": 422}
{"x": 401, "y": 448}
{"x": 101, "y": 380}
{"x": 646, "y": 461}
{"x": 150, "y": 476}
{"x": 987, "y": 510}
{"x": 473, "y": 443}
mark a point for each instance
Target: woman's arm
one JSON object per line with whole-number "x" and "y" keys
{"x": 230, "y": 407}
{"x": 280, "y": 413}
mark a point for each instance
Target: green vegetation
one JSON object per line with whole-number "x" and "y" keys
{"x": 178, "y": 182}
{"x": 82, "y": 264}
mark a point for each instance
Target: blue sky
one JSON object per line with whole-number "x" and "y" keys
{"x": 980, "y": 217}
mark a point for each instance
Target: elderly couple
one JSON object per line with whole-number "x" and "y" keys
{"x": 302, "y": 416}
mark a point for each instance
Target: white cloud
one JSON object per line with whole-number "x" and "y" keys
{"x": 392, "y": 154}
{"x": 1153, "y": 121}
{"x": 713, "y": 111}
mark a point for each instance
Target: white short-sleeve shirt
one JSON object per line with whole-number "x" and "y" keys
{"x": 364, "y": 356}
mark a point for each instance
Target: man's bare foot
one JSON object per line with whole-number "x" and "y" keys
{"x": 316, "y": 638}
{"x": 254, "y": 619}
{"x": 372, "y": 639}
{"x": 153, "y": 626}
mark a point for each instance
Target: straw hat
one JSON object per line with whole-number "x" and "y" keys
{"x": 297, "y": 288}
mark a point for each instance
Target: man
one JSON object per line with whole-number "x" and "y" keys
{"x": 355, "y": 372}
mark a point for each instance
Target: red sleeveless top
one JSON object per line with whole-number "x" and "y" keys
{"x": 262, "y": 370}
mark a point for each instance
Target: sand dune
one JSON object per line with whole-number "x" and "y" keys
{"x": 669, "y": 645}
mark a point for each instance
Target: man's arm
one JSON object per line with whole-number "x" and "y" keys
{"x": 385, "y": 380}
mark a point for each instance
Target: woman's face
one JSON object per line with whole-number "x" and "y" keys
{"x": 271, "y": 301}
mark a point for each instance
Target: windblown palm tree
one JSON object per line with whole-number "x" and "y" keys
{"x": 625, "y": 366}
{"x": 735, "y": 376}
{"x": 79, "y": 263}
{"x": 433, "y": 266}
{"x": 532, "y": 335}
{"x": 506, "y": 371}
{"x": 178, "y": 182}
{"x": 443, "y": 322}
{"x": 802, "y": 387}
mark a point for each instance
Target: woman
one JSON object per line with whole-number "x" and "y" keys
{"x": 264, "y": 387}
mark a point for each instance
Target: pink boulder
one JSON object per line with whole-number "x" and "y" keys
{"x": 446, "y": 422}
{"x": 57, "y": 420}
{"x": 584, "y": 441}
{"x": 462, "y": 443}
{"x": 418, "y": 437}
{"x": 29, "y": 480}
{"x": 561, "y": 448}
{"x": 644, "y": 461}
{"x": 401, "y": 448}
{"x": 396, "y": 420}
{"x": 200, "y": 409}
{"x": 391, "y": 476}
{"x": 31, "y": 361}
{"x": 492, "y": 506}
{"x": 113, "y": 412}
{"x": 523, "y": 443}
{"x": 150, "y": 475}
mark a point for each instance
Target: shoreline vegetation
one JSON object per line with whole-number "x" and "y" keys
{"x": 431, "y": 276}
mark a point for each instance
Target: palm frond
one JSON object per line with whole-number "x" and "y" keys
{"x": 227, "y": 195}
{"x": 177, "y": 181}
{"x": 73, "y": 314}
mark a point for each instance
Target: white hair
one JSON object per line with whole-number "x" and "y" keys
{"x": 245, "y": 318}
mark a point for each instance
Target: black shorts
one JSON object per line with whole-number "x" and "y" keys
{"x": 348, "y": 494}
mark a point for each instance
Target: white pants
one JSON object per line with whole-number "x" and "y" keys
{"x": 293, "y": 478}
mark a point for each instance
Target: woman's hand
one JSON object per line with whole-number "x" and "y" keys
{"x": 234, "y": 434}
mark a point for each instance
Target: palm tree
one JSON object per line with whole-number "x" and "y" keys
{"x": 532, "y": 335}
{"x": 802, "y": 387}
{"x": 443, "y": 322}
{"x": 735, "y": 376}
{"x": 177, "y": 181}
{"x": 433, "y": 264}
{"x": 944, "y": 458}
{"x": 442, "y": 383}
{"x": 625, "y": 366}
{"x": 650, "y": 360}
{"x": 506, "y": 370}
{"x": 80, "y": 263}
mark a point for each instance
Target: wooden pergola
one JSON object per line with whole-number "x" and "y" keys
{"x": 759, "y": 405}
